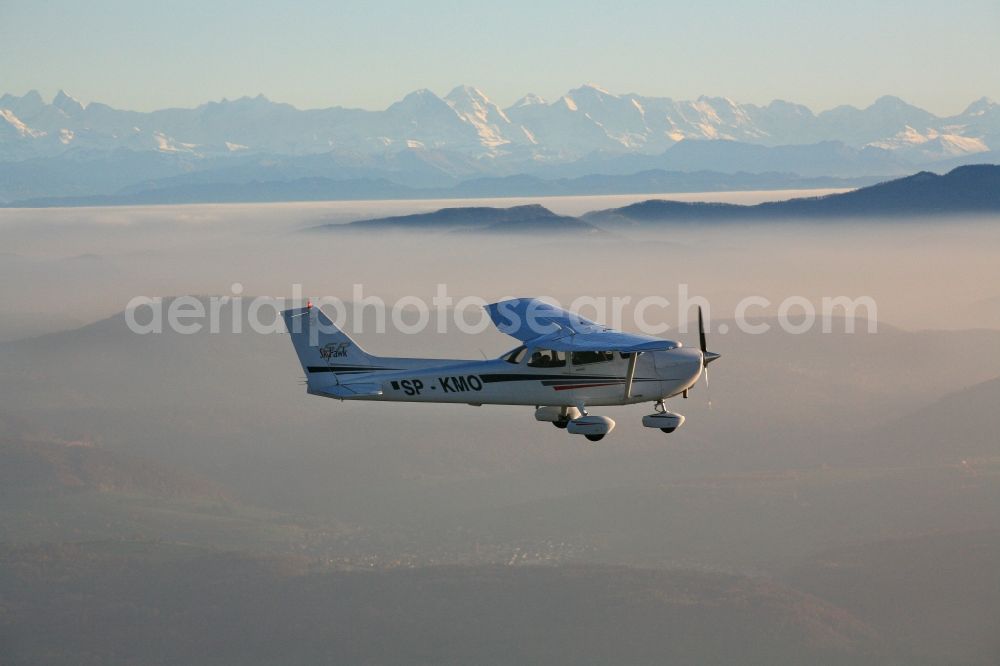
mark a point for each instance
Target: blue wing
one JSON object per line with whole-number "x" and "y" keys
{"x": 539, "y": 324}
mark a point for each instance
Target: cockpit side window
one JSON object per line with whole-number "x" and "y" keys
{"x": 585, "y": 357}
{"x": 516, "y": 356}
{"x": 547, "y": 358}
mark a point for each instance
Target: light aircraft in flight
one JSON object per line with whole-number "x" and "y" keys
{"x": 564, "y": 365}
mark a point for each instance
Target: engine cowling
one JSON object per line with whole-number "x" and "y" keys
{"x": 665, "y": 421}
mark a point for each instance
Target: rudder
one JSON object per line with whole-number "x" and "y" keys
{"x": 324, "y": 350}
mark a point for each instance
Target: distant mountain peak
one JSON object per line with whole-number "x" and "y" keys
{"x": 67, "y": 103}
{"x": 259, "y": 99}
{"x": 473, "y": 106}
{"x": 893, "y": 103}
{"x": 980, "y": 107}
{"x": 421, "y": 98}
{"x": 421, "y": 93}
{"x": 466, "y": 92}
{"x": 30, "y": 98}
{"x": 531, "y": 99}
{"x": 785, "y": 106}
{"x": 592, "y": 88}
{"x": 421, "y": 105}
{"x": 887, "y": 100}
{"x": 468, "y": 98}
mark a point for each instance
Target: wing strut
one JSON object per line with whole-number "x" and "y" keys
{"x": 631, "y": 374}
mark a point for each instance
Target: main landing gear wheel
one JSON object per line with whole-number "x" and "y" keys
{"x": 559, "y": 416}
{"x": 591, "y": 426}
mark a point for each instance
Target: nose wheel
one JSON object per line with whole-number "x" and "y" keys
{"x": 665, "y": 420}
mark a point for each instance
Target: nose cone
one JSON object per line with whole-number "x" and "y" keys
{"x": 683, "y": 361}
{"x": 678, "y": 369}
{"x": 682, "y": 356}
{"x": 710, "y": 356}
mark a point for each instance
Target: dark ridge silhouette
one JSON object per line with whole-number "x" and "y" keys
{"x": 531, "y": 218}
{"x": 964, "y": 190}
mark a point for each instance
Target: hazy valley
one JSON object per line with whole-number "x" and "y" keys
{"x": 198, "y": 464}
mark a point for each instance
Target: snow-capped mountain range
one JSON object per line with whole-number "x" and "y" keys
{"x": 467, "y": 122}
{"x": 64, "y": 148}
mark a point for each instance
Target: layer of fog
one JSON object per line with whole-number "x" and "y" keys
{"x": 78, "y": 265}
{"x": 233, "y": 407}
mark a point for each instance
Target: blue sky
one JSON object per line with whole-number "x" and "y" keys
{"x": 146, "y": 55}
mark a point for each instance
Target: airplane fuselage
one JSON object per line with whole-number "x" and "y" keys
{"x": 513, "y": 379}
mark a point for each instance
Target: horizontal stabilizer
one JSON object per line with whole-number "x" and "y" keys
{"x": 349, "y": 390}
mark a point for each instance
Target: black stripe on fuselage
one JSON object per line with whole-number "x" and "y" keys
{"x": 552, "y": 380}
{"x": 527, "y": 377}
{"x": 346, "y": 369}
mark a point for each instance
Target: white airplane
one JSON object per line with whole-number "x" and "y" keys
{"x": 564, "y": 365}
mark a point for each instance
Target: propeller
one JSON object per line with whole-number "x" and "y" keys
{"x": 706, "y": 356}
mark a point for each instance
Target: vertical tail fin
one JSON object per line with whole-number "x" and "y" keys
{"x": 323, "y": 349}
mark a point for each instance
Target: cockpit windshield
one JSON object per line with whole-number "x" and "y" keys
{"x": 515, "y": 356}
